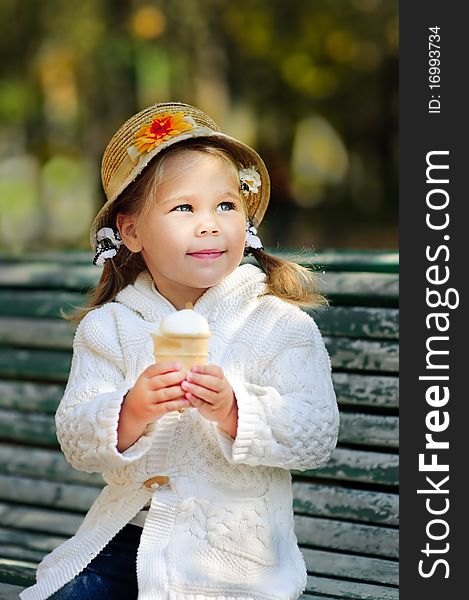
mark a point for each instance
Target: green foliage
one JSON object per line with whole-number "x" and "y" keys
{"x": 73, "y": 72}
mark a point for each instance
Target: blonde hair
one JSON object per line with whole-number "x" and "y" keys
{"x": 285, "y": 279}
{"x": 290, "y": 281}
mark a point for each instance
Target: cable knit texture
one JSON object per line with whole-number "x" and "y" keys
{"x": 223, "y": 528}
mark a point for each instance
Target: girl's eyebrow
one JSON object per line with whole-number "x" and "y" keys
{"x": 177, "y": 199}
{"x": 232, "y": 194}
{"x": 189, "y": 198}
{"x": 228, "y": 195}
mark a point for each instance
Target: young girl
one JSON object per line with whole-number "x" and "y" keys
{"x": 198, "y": 503}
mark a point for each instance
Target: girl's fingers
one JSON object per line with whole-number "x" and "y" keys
{"x": 194, "y": 401}
{"x": 174, "y": 405}
{"x": 157, "y": 382}
{"x": 207, "y": 381}
{"x": 201, "y": 392}
{"x": 167, "y": 393}
{"x": 214, "y": 370}
{"x": 159, "y": 368}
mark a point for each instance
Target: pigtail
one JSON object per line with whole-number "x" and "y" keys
{"x": 290, "y": 281}
{"x": 117, "y": 273}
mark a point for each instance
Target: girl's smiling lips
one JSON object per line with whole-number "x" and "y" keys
{"x": 209, "y": 254}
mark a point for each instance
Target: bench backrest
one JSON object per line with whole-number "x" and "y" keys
{"x": 346, "y": 513}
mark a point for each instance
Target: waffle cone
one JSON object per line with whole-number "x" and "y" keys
{"x": 189, "y": 350}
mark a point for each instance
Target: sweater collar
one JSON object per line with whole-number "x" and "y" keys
{"x": 245, "y": 283}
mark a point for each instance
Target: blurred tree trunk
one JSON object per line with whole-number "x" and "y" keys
{"x": 108, "y": 80}
{"x": 199, "y": 56}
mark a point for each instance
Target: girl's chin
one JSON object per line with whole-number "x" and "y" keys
{"x": 208, "y": 280}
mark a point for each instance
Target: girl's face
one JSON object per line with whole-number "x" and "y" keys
{"x": 193, "y": 236}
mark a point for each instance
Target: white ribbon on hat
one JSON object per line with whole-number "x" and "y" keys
{"x": 250, "y": 180}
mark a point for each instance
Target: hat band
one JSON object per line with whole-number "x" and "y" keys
{"x": 134, "y": 161}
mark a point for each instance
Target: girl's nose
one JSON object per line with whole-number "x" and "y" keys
{"x": 208, "y": 226}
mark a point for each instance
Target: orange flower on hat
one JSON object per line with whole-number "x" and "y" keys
{"x": 162, "y": 128}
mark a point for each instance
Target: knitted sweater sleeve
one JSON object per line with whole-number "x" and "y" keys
{"x": 88, "y": 415}
{"x": 290, "y": 418}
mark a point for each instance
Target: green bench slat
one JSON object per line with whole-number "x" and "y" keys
{"x": 15, "y": 552}
{"x": 30, "y": 396}
{"x": 359, "y": 429}
{"x": 327, "y": 564}
{"x": 29, "y": 541}
{"x": 351, "y": 590}
{"x": 47, "y": 464}
{"x": 324, "y": 533}
{"x": 344, "y": 465}
{"x": 346, "y": 353}
{"x": 54, "y": 364}
{"x": 72, "y": 257}
{"x": 30, "y": 428}
{"x": 367, "y": 390}
{"x": 314, "y": 499}
{"x": 38, "y": 519}
{"x": 358, "y": 321}
{"x": 369, "y": 430}
{"x": 42, "y": 304}
{"x": 7, "y": 590}
{"x": 308, "y": 499}
{"x": 50, "y": 494}
{"x": 358, "y": 465}
{"x": 36, "y": 333}
{"x": 347, "y": 537}
{"x": 49, "y": 276}
{"x": 361, "y": 289}
{"x": 39, "y": 365}
{"x": 382, "y": 261}
{"x": 379, "y": 289}
{"x": 348, "y": 590}
{"x": 350, "y": 321}
{"x": 17, "y": 572}
{"x": 355, "y": 390}
{"x": 363, "y": 355}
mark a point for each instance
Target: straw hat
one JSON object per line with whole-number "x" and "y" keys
{"x": 155, "y": 128}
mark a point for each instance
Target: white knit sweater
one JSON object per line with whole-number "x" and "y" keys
{"x": 223, "y": 528}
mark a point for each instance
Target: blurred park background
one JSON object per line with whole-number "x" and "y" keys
{"x": 311, "y": 84}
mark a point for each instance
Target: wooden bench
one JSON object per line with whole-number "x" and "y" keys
{"x": 346, "y": 513}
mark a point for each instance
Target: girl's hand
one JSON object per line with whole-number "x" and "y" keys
{"x": 156, "y": 392}
{"x": 208, "y": 390}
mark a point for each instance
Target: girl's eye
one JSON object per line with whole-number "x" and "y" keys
{"x": 226, "y": 206}
{"x": 183, "y": 208}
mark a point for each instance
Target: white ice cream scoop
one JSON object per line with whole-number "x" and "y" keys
{"x": 184, "y": 322}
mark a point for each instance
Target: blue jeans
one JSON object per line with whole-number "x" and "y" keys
{"x": 112, "y": 575}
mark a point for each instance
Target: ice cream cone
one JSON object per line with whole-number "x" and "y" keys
{"x": 183, "y": 336}
{"x": 189, "y": 350}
